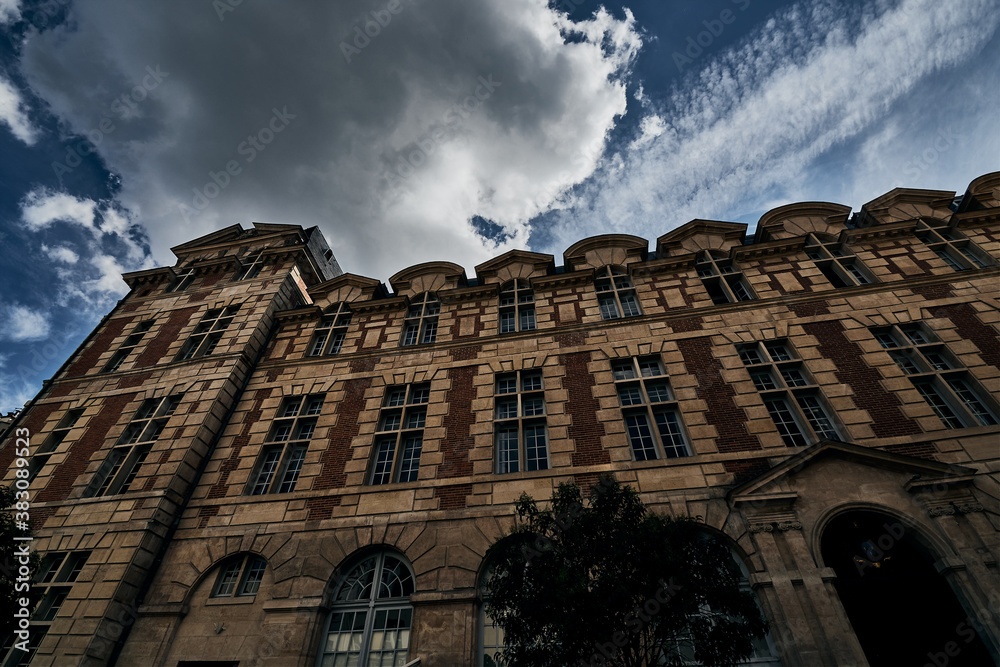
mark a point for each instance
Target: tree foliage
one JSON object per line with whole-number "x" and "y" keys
{"x": 610, "y": 583}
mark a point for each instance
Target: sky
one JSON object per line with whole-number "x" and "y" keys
{"x": 455, "y": 130}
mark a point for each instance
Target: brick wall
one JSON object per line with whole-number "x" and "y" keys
{"x": 61, "y": 483}
{"x": 101, "y": 343}
{"x": 728, "y": 418}
{"x": 582, "y": 407}
{"x": 334, "y": 458}
{"x": 458, "y": 440}
{"x": 157, "y": 348}
{"x": 34, "y": 421}
{"x": 251, "y": 417}
{"x": 888, "y": 419}
{"x": 969, "y": 327}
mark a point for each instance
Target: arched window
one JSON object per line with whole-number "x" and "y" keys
{"x": 517, "y": 307}
{"x": 240, "y": 577}
{"x": 371, "y": 615}
{"x": 331, "y": 330}
{"x": 615, "y": 293}
{"x": 421, "y": 321}
{"x": 490, "y": 639}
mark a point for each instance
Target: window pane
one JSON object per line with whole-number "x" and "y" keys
{"x": 939, "y": 405}
{"x": 531, "y": 381}
{"x": 226, "y": 583}
{"x": 968, "y": 396}
{"x": 817, "y": 417}
{"x": 507, "y": 455}
{"x": 268, "y": 468}
{"x": 650, "y": 367}
{"x": 532, "y": 406}
{"x": 623, "y": 370}
{"x": 410, "y": 463}
{"x": 527, "y": 319}
{"x": 669, "y": 428}
{"x": 630, "y": 305}
{"x": 382, "y": 470}
{"x": 609, "y": 310}
{"x": 658, "y": 391}
{"x": 254, "y": 575}
{"x": 782, "y": 417}
{"x": 640, "y": 436}
{"x": 535, "y": 449}
{"x": 507, "y": 320}
{"x": 506, "y": 384}
{"x": 507, "y": 408}
{"x": 292, "y": 469}
{"x": 630, "y": 394}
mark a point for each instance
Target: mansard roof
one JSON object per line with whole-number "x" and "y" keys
{"x": 236, "y": 232}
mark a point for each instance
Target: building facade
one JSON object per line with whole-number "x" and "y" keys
{"x": 257, "y": 459}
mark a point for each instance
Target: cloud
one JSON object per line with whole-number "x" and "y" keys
{"x": 12, "y": 107}
{"x": 41, "y": 208}
{"x": 21, "y": 323}
{"x": 449, "y": 110}
{"x": 61, "y": 254}
{"x": 816, "y": 78}
{"x": 10, "y": 11}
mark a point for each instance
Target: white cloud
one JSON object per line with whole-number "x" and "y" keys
{"x": 813, "y": 79}
{"x": 10, "y": 11}
{"x": 21, "y": 323}
{"x": 61, "y": 254}
{"x": 12, "y": 107}
{"x": 392, "y": 150}
{"x": 41, "y": 208}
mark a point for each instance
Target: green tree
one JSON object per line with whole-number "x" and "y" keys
{"x": 10, "y": 567}
{"x": 610, "y": 583}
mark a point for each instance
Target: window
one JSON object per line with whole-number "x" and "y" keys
{"x": 724, "y": 283}
{"x": 517, "y": 307}
{"x": 122, "y": 464}
{"x": 938, "y": 376}
{"x": 240, "y": 577}
{"x": 369, "y": 622}
{"x": 251, "y": 268}
{"x": 764, "y": 653}
{"x": 331, "y": 331}
{"x": 52, "y": 442}
{"x": 789, "y": 393}
{"x": 182, "y": 282}
{"x": 615, "y": 293}
{"x": 836, "y": 261}
{"x": 208, "y": 333}
{"x": 399, "y": 435}
{"x": 491, "y": 635}
{"x": 951, "y": 246}
{"x": 284, "y": 451}
{"x": 520, "y": 432}
{"x": 126, "y": 348}
{"x": 652, "y": 419}
{"x": 420, "y": 325}
{"x": 53, "y": 583}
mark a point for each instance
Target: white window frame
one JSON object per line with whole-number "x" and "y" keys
{"x": 519, "y": 409}
{"x": 283, "y": 454}
{"x": 647, "y": 400}
{"x": 398, "y": 441}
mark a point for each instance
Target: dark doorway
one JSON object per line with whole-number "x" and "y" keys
{"x": 902, "y": 610}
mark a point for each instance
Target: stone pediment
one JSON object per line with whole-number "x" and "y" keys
{"x": 777, "y": 484}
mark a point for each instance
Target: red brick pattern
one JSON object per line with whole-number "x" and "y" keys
{"x": 363, "y": 365}
{"x": 157, "y": 348}
{"x": 63, "y": 389}
{"x": 34, "y": 422}
{"x": 810, "y": 309}
{"x": 100, "y": 345}
{"x": 728, "y": 418}
{"x": 252, "y": 416}
{"x": 920, "y": 450}
{"x": 206, "y": 513}
{"x": 452, "y": 497}
{"x": 61, "y": 483}
{"x": 338, "y": 450}
{"x": 888, "y": 419}
{"x": 199, "y": 296}
{"x": 458, "y": 441}
{"x": 744, "y": 471}
{"x": 39, "y": 515}
{"x": 572, "y": 339}
{"x": 466, "y": 353}
{"x": 582, "y": 407}
{"x": 688, "y": 324}
{"x": 970, "y": 327}
{"x": 930, "y": 292}
{"x": 321, "y": 508}
{"x": 133, "y": 380}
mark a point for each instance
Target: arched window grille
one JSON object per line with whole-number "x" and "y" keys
{"x": 371, "y": 615}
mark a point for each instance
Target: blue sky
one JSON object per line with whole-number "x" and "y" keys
{"x": 417, "y": 130}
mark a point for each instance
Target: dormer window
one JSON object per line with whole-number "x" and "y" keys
{"x": 616, "y": 293}
{"x": 517, "y": 307}
{"x": 421, "y": 321}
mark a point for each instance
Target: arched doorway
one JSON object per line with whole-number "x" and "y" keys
{"x": 903, "y": 612}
